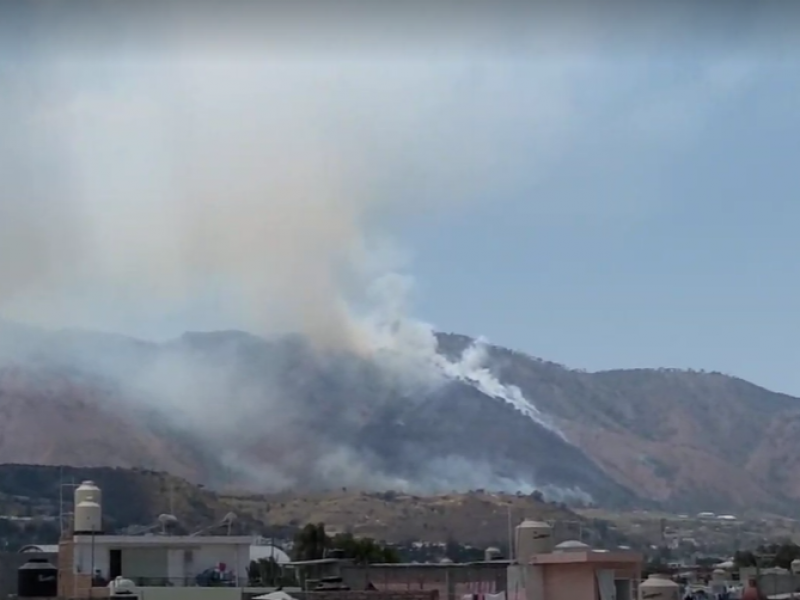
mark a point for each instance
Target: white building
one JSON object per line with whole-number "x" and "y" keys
{"x": 156, "y": 560}
{"x": 89, "y": 559}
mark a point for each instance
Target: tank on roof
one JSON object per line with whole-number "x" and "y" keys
{"x": 491, "y": 553}
{"x": 532, "y": 537}
{"x": 88, "y": 513}
{"x": 659, "y": 587}
{"x": 719, "y": 575}
{"x": 37, "y": 579}
{"x": 572, "y": 546}
{"x": 88, "y": 518}
{"x": 88, "y": 492}
{"x": 795, "y": 566}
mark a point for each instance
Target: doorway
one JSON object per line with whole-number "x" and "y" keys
{"x": 114, "y": 564}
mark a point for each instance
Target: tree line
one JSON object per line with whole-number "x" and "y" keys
{"x": 312, "y": 543}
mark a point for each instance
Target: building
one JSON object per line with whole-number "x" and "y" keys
{"x": 175, "y": 561}
{"x": 88, "y": 559}
{"x": 451, "y": 581}
{"x": 570, "y": 570}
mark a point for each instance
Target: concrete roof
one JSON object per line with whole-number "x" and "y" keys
{"x": 165, "y": 540}
{"x": 619, "y": 556}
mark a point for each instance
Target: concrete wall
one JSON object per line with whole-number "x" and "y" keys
{"x": 187, "y": 593}
{"x": 178, "y": 565}
{"x": 355, "y": 595}
{"x": 451, "y": 582}
{"x": 10, "y": 562}
{"x": 569, "y": 582}
{"x": 778, "y": 583}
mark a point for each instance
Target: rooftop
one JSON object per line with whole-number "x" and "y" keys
{"x": 166, "y": 540}
{"x": 586, "y": 556}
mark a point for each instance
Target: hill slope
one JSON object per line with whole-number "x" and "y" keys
{"x": 135, "y": 497}
{"x": 233, "y": 409}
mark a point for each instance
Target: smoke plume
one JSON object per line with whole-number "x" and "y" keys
{"x": 154, "y": 197}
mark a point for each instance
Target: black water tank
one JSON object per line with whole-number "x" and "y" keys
{"x": 37, "y": 578}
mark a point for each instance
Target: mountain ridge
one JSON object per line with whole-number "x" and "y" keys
{"x": 631, "y": 435}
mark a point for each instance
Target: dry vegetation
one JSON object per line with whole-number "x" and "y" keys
{"x": 475, "y": 518}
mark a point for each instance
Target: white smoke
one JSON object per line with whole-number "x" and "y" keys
{"x": 186, "y": 194}
{"x": 411, "y": 346}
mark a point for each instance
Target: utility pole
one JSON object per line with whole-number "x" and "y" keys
{"x": 510, "y": 537}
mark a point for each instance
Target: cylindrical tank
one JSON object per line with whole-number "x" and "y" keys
{"x": 532, "y": 537}
{"x": 121, "y": 588}
{"x": 719, "y": 575}
{"x": 491, "y": 554}
{"x": 37, "y": 578}
{"x": 88, "y": 518}
{"x": 88, "y": 492}
{"x": 659, "y": 587}
{"x": 795, "y": 566}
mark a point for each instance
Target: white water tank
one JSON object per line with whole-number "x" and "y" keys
{"x": 719, "y": 575}
{"x": 491, "y": 553}
{"x": 532, "y": 537}
{"x": 659, "y": 587}
{"x": 88, "y": 492}
{"x": 88, "y": 518}
{"x": 795, "y": 566}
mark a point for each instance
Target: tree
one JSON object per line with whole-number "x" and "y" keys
{"x": 268, "y": 572}
{"x": 311, "y": 542}
{"x": 364, "y": 551}
{"x": 744, "y": 558}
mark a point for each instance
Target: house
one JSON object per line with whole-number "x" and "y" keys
{"x": 151, "y": 561}
{"x": 570, "y": 570}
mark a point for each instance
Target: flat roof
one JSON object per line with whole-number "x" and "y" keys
{"x": 443, "y": 565}
{"x": 586, "y": 556}
{"x": 165, "y": 540}
{"x": 317, "y": 561}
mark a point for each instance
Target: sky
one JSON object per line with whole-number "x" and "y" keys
{"x": 604, "y": 190}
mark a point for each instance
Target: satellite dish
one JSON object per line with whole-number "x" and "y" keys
{"x": 229, "y": 518}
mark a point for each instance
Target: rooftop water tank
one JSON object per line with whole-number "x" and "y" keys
{"x": 88, "y": 518}
{"x": 37, "y": 578}
{"x": 532, "y": 537}
{"x": 122, "y": 589}
{"x": 719, "y": 575}
{"x": 659, "y": 587}
{"x": 491, "y": 554}
{"x": 88, "y": 492}
{"x": 795, "y": 566}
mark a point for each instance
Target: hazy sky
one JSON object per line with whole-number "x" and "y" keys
{"x": 599, "y": 190}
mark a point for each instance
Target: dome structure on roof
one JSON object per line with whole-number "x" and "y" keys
{"x": 572, "y": 546}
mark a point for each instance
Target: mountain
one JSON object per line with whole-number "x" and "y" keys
{"x": 232, "y": 409}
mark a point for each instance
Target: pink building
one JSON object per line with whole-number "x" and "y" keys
{"x": 571, "y": 570}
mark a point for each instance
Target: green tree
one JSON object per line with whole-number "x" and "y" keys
{"x": 785, "y": 554}
{"x": 311, "y": 542}
{"x": 744, "y": 558}
{"x": 364, "y": 551}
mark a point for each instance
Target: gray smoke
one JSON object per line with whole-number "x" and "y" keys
{"x": 151, "y": 197}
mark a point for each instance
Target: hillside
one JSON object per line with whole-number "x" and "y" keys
{"x": 478, "y": 518}
{"x": 690, "y": 440}
{"x": 236, "y": 411}
{"x": 134, "y": 498}
{"x": 131, "y": 497}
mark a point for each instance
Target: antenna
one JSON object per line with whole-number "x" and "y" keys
{"x": 171, "y": 497}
